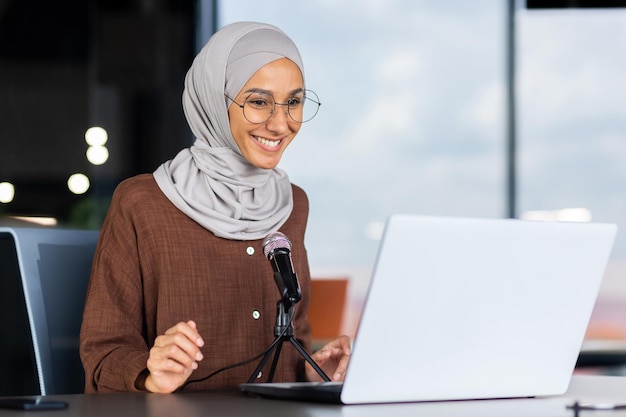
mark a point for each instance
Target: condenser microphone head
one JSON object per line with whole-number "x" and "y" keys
{"x": 277, "y": 250}
{"x": 273, "y": 241}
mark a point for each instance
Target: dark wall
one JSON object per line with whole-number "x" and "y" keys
{"x": 66, "y": 66}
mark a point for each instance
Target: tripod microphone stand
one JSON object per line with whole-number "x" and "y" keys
{"x": 283, "y": 330}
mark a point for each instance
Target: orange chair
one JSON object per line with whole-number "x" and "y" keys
{"x": 328, "y": 305}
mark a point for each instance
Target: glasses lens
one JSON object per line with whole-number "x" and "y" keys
{"x": 258, "y": 107}
{"x": 310, "y": 106}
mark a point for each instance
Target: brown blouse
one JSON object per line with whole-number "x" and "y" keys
{"x": 155, "y": 267}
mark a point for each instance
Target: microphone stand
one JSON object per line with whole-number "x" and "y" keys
{"x": 283, "y": 330}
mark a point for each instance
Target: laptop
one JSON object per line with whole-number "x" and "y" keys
{"x": 462, "y": 308}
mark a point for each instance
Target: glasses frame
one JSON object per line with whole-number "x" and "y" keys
{"x": 314, "y": 101}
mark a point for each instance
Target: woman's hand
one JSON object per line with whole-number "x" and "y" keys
{"x": 332, "y": 358}
{"x": 174, "y": 357}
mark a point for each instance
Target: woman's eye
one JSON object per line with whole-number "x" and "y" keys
{"x": 258, "y": 102}
{"x": 294, "y": 102}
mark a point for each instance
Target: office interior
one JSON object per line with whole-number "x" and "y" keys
{"x": 489, "y": 108}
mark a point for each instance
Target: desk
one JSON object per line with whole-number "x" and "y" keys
{"x": 234, "y": 404}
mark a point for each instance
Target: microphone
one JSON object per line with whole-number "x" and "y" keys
{"x": 277, "y": 249}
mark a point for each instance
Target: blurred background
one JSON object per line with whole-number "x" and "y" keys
{"x": 488, "y": 108}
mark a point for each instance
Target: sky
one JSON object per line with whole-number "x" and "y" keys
{"x": 413, "y": 114}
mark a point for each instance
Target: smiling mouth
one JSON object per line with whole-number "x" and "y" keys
{"x": 267, "y": 142}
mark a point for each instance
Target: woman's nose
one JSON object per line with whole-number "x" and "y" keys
{"x": 279, "y": 120}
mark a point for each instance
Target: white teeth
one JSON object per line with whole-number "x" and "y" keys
{"x": 266, "y": 142}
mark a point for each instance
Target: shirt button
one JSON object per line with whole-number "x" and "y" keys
{"x": 256, "y": 315}
{"x": 250, "y": 250}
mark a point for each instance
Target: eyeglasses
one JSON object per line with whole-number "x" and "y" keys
{"x": 259, "y": 106}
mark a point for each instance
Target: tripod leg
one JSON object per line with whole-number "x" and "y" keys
{"x": 264, "y": 361}
{"x": 270, "y": 376}
{"x": 308, "y": 358}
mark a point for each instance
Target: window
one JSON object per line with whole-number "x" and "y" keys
{"x": 572, "y": 131}
{"x": 411, "y": 118}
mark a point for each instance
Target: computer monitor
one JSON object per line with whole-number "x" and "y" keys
{"x": 44, "y": 273}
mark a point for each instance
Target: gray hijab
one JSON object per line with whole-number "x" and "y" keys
{"x": 211, "y": 182}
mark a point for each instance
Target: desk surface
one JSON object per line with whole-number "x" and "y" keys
{"x": 234, "y": 404}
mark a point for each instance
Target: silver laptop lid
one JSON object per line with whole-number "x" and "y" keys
{"x": 476, "y": 308}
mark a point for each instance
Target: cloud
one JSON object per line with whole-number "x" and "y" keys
{"x": 486, "y": 110}
{"x": 571, "y": 67}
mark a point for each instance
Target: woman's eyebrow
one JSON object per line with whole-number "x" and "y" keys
{"x": 267, "y": 92}
{"x": 258, "y": 91}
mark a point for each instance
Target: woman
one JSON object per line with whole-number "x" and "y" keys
{"x": 180, "y": 287}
